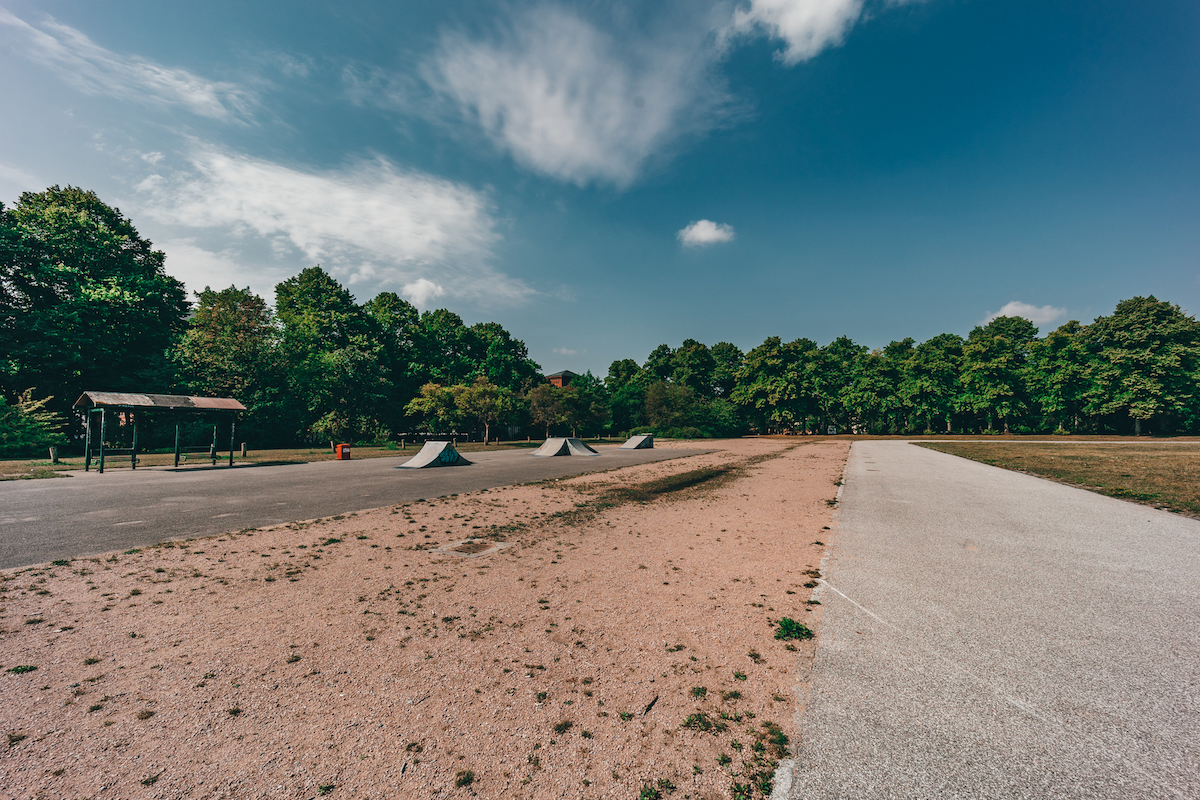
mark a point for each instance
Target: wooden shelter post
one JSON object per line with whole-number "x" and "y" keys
{"x": 133, "y": 451}
{"x": 87, "y": 441}
{"x": 232, "y": 434}
{"x": 102, "y": 430}
{"x": 176, "y": 444}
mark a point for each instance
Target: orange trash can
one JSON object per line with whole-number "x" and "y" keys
{"x": 343, "y": 452}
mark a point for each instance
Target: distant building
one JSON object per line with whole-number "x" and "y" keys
{"x": 561, "y": 378}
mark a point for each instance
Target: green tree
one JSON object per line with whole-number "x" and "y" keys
{"x": 1146, "y": 358}
{"x": 1059, "y": 375}
{"x": 85, "y": 302}
{"x": 500, "y": 358}
{"x": 727, "y": 360}
{"x": 546, "y": 407}
{"x": 485, "y": 402}
{"x": 437, "y": 408}
{"x": 395, "y": 322}
{"x": 995, "y": 369}
{"x": 660, "y": 364}
{"x": 693, "y": 366}
{"x": 931, "y": 385}
{"x": 623, "y": 373}
{"x": 778, "y": 381}
{"x": 335, "y": 370}
{"x": 28, "y": 426}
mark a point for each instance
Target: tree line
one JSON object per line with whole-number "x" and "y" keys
{"x": 85, "y": 304}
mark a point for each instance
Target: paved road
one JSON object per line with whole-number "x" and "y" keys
{"x": 90, "y": 513}
{"x": 991, "y": 634}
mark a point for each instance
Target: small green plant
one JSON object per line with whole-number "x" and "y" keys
{"x": 665, "y": 785}
{"x": 699, "y": 692}
{"x": 145, "y": 713}
{"x": 702, "y": 722}
{"x": 648, "y": 792}
{"x": 739, "y": 676}
{"x": 62, "y": 562}
{"x": 34, "y": 621}
{"x": 563, "y": 726}
{"x": 153, "y": 779}
{"x": 330, "y": 541}
{"x": 724, "y": 760}
{"x": 731, "y": 696}
{"x": 464, "y": 778}
{"x": 625, "y": 716}
{"x": 586, "y": 734}
{"x": 541, "y": 696}
{"x": 414, "y": 747}
{"x": 233, "y": 712}
{"x": 788, "y": 629}
{"x": 96, "y": 707}
{"x": 22, "y": 669}
{"x": 326, "y": 788}
{"x": 755, "y": 656}
{"x": 91, "y": 660}
{"x": 293, "y": 658}
{"x": 736, "y": 745}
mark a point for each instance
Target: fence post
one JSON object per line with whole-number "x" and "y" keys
{"x": 133, "y": 450}
{"x": 232, "y": 428}
{"x": 176, "y": 444}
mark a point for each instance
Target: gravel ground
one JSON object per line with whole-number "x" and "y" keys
{"x": 606, "y": 643}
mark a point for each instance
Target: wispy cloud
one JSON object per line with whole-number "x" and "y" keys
{"x": 1038, "y": 315}
{"x": 198, "y": 267}
{"x": 566, "y": 351}
{"x": 575, "y": 102}
{"x": 96, "y": 70}
{"x": 705, "y": 232}
{"x": 371, "y": 223}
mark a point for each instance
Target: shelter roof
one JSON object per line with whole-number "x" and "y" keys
{"x": 129, "y": 400}
{"x": 564, "y": 374}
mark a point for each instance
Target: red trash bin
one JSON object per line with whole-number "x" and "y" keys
{"x": 343, "y": 452}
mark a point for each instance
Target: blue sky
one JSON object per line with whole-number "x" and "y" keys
{"x": 603, "y": 177}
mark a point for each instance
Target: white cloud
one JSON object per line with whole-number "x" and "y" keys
{"x": 14, "y": 180}
{"x": 806, "y": 26}
{"x": 95, "y": 70}
{"x": 421, "y": 291}
{"x": 371, "y": 223}
{"x": 579, "y": 104}
{"x": 564, "y": 351}
{"x": 1038, "y": 315}
{"x": 705, "y": 232}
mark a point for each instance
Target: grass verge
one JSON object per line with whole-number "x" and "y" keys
{"x": 1152, "y": 473}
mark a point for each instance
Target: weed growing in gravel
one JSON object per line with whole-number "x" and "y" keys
{"x": 145, "y": 713}
{"x": 563, "y": 726}
{"x": 739, "y": 676}
{"x": 22, "y": 669}
{"x": 233, "y": 712}
{"x": 699, "y": 692}
{"x": 788, "y": 629}
{"x": 464, "y": 778}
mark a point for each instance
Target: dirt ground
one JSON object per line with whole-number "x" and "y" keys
{"x": 611, "y": 635}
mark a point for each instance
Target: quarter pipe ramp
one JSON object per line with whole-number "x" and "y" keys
{"x": 436, "y": 454}
{"x": 559, "y": 446}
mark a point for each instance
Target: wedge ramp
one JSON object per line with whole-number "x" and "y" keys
{"x": 560, "y": 446}
{"x": 641, "y": 442}
{"x": 436, "y": 454}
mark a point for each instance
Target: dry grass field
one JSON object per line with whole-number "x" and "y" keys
{"x": 1161, "y": 474}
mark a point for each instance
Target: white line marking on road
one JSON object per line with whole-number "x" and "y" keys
{"x": 230, "y": 514}
{"x": 131, "y": 522}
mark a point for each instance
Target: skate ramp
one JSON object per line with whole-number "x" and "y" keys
{"x": 436, "y": 454}
{"x": 642, "y": 442}
{"x": 559, "y": 446}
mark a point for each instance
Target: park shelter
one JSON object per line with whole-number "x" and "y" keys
{"x": 98, "y": 404}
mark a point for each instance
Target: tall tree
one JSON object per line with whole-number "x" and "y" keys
{"x": 334, "y": 358}
{"x": 995, "y": 369}
{"x": 1147, "y": 356}
{"x": 500, "y": 358}
{"x": 486, "y": 403}
{"x": 660, "y": 364}
{"x": 1060, "y": 366}
{"x": 931, "y": 379}
{"x": 693, "y": 366}
{"x": 85, "y": 302}
{"x": 727, "y": 360}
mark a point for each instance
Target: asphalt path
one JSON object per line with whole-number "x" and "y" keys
{"x": 992, "y": 634}
{"x": 88, "y": 513}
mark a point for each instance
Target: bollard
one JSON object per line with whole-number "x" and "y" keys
{"x": 243, "y": 449}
